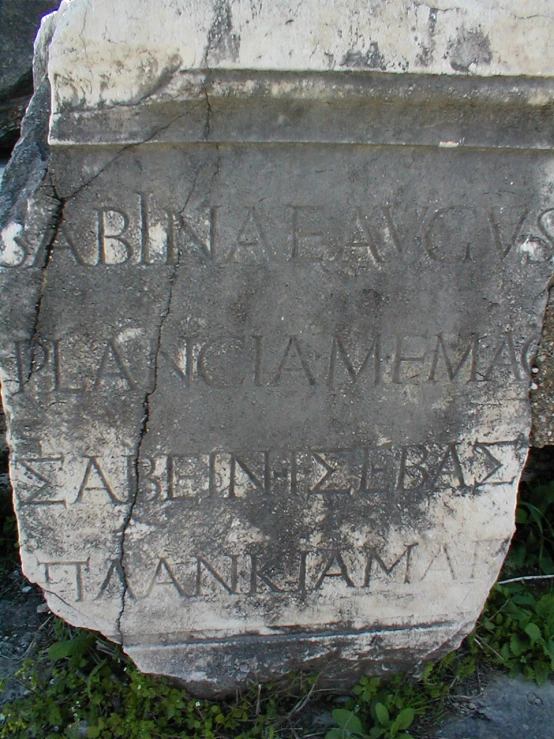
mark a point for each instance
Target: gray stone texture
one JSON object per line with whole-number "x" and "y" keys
{"x": 269, "y": 325}
{"x": 507, "y": 709}
{"x": 19, "y": 21}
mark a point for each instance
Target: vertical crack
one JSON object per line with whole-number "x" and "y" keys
{"x": 56, "y": 220}
{"x": 146, "y": 412}
{"x": 143, "y": 430}
{"x": 205, "y": 91}
{"x": 208, "y": 124}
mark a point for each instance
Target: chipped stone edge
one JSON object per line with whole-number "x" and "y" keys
{"x": 28, "y": 185}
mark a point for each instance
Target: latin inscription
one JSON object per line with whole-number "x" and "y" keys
{"x": 149, "y": 234}
{"x": 227, "y": 362}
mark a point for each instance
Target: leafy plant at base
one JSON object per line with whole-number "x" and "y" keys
{"x": 517, "y": 629}
{"x": 83, "y": 686}
{"x": 382, "y": 704}
{"x": 349, "y": 725}
{"x": 532, "y": 547}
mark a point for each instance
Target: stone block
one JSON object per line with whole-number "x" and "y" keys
{"x": 272, "y": 283}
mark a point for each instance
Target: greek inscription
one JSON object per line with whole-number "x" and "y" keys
{"x": 115, "y": 576}
{"x": 374, "y": 558}
{"x": 95, "y": 481}
{"x": 253, "y": 574}
{"x": 203, "y": 566}
{"x": 359, "y": 471}
{"x": 59, "y": 572}
{"x": 40, "y": 486}
{"x": 312, "y": 570}
{"x": 164, "y": 577}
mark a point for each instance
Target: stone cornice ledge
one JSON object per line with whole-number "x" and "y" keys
{"x": 106, "y": 53}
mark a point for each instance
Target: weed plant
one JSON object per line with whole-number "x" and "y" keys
{"x": 79, "y": 685}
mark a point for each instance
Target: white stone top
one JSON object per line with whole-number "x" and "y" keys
{"x": 109, "y": 52}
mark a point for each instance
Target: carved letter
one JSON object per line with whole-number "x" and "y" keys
{"x": 119, "y": 371}
{"x": 58, "y": 382}
{"x": 501, "y": 247}
{"x": 182, "y": 365}
{"x": 161, "y": 568}
{"x": 339, "y": 352}
{"x": 206, "y": 246}
{"x": 335, "y": 560}
{"x": 78, "y": 573}
{"x": 441, "y": 551}
{"x": 187, "y": 476}
{"x": 261, "y": 573}
{"x": 261, "y": 483}
{"x": 449, "y": 459}
{"x": 220, "y": 344}
{"x": 453, "y": 370}
{"x": 451, "y": 230}
{"x": 112, "y": 247}
{"x": 363, "y": 238}
{"x": 415, "y": 468}
{"x": 319, "y": 488}
{"x": 293, "y": 343}
{"x": 251, "y": 239}
{"x": 230, "y": 587}
{"x": 374, "y": 557}
{"x": 43, "y": 494}
{"x": 546, "y": 224}
{"x": 116, "y": 568}
{"x": 102, "y": 485}
{"x": 399, "y": 359}
{"x": 307, "y": 241}
{"x": 505, "y": 345}
{"x": 155, "y": 239}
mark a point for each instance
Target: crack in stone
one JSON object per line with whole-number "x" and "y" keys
{"x": 65, "y": 602}
{"x": 55, "y": 225}
{"x": 121, "y": 152}
{"x": 433, "y": 8}
{"x": 56, "y": 221}
{"x": 146, "y": 408}
{"x": 208, "y": 124}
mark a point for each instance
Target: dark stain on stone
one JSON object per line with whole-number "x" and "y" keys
{"x": 222, "y": 42}
{"x": 372, "y": 59}
{"x": 425, "y": 57}
{"x": 470, "y": 47}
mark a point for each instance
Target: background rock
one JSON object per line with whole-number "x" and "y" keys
{"x": 19, "y": 21}
{"x": 507, "y": 709}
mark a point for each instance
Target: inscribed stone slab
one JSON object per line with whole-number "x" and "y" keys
{"x": 269, "y": 325}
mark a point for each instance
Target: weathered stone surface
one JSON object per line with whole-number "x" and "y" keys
{"x": 508, "y": 708}
{"x": 19, "y": 20}
{"x": 269, "y": 324}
